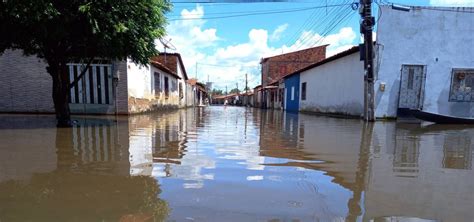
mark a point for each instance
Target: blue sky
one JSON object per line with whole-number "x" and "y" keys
{"x": 227, "y": 48}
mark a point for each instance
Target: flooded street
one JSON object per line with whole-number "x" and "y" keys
{"x": 233, "y": 164}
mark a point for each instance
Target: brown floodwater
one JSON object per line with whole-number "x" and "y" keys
{"x": 233, "y": 164}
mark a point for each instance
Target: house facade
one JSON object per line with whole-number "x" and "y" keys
{"x": 427, "y": 63}
{"x": 107, "y": 87}
{"x": 334, "y": 85}
{"x": 276, "y": 67}
{"x": 199, "y": 94}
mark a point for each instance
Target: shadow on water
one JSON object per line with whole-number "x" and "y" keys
{"x": 77, "y": 174}
{"x": 236, "y": 164}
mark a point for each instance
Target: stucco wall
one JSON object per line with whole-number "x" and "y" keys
{"x": 189, "y": 95}
{"x": 182, "y": 81}
{"x": 159, "y": 98}
{"x": 139, "y": 81}
{"x": 440, "y": 39}
{"x": 335, "y": 87}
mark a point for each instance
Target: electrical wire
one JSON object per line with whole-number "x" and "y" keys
{"x": 327, "y": 24}
{"x": 326, "y": 20}
{"x": 244, "y": 12}
{"x": 261, "y": 13}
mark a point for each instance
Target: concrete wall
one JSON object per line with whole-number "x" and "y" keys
{"x": 159, "y": 98}
{"x": 439, "y": 38}
{"x": 335, "y": 87}
{"x": 139, "y": 81}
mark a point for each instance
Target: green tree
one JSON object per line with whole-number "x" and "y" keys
{"x": 217, "y": 92}
{"x": 59, "y": 32}
{"x": 235, "y": 90}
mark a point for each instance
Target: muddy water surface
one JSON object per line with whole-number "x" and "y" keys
{"x": 233, "y": 164}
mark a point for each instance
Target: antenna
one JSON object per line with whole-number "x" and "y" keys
{"x": 167, "y": 44}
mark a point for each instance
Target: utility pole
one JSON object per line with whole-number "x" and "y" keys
{"x": 246, "y": 83}
{"x": 366, "y": 27}
{"x": 237, "y": 87}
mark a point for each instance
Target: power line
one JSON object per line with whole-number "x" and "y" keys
{"x": 334, "y": 26}
{"x": 327, "y": 24}
{"x": 261, "y": 13}
{"x": 316, "y": 22}
{"x": 246, "y": 12}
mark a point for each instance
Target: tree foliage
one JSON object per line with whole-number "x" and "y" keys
{"x": 235, "y": 90}
{"x": 60, "y": 32}
{"x": 217, "y": 92}
{"x": 78, "y": 29}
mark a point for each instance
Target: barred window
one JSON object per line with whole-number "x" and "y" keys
{"x": 462, "y": 83}
{"x": 157, "y": 82}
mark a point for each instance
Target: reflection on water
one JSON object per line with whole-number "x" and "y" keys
{"x": 233, "y": 164}
{"x": 74, "y": 174}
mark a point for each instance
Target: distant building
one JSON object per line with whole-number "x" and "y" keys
{"x": 276, "y": 67}
{"x": 200, "y": 95}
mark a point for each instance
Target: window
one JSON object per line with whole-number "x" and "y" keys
{"x": 167, "y": 89}
{"x": 292, "y": 93}
{"x": 462, "y": 83}
{"x": 157, "y": 83}
{"x": 303, "y": 91}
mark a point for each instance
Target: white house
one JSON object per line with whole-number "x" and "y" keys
{"x": 426, "y": 61}
{"x": 334, "y": 85}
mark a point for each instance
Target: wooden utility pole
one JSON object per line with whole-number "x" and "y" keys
{"x": 246, "y": 83}
{"x": 366, "y": 27}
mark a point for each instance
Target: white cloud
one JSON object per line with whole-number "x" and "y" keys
{"x": 196, "y": 43}
{"x": 278, "y": 32}
{"x": 337, "y": 42}
{"x": 452, "y": 2}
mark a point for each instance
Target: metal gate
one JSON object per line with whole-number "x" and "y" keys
{"x": 95, "y": 87}
{"x": 412, "y": 87}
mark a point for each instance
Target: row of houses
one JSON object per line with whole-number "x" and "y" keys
{"x": 108, "y": 87}
{"x": 424, "y": 60}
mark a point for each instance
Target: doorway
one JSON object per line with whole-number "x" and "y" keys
{"x": 411, "y": 88}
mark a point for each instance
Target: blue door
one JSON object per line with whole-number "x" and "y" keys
{"x": 292, "y": 88}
